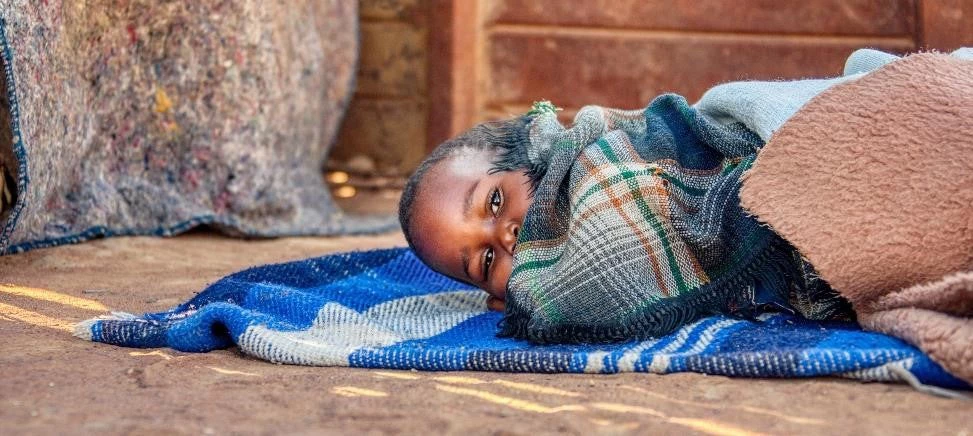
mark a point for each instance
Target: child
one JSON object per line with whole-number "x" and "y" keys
{"x": 461, "y": 213}
{"x": 624, "y": 225}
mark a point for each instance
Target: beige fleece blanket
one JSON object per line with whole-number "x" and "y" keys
{"x": 873, "y": 182}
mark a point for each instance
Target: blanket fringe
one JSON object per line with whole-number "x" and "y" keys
{"x": 913, "y": 381}
{"x": 83, "y": 329}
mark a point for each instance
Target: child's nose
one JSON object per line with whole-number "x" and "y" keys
{"x": 508, "y": 236}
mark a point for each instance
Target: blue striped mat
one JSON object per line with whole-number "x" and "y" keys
{"x": 385, "y": 309}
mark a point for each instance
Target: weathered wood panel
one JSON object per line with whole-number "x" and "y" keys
{"x": 431, "y": 68}
{"x": 453, "y": 66}
{"x": 578, "y": 68}
{"x": 947, "y": 24}
{"x": 830, "y": 17}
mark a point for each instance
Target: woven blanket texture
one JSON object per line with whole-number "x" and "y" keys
{"x": 635, "y": 229}
{"x": 873, "y": 181}
{"x": 149, "y": 118}
{"x": 386, "y": 309}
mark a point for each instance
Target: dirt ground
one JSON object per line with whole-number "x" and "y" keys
{"x": 53, "y": 383}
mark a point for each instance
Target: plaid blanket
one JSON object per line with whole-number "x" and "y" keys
{"x": 385, "y": 309}
{"x": 636, "y": 230}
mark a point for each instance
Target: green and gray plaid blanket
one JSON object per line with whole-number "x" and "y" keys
{"x": 636, "y": 229}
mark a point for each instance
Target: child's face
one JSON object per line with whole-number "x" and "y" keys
{"x": 466, "y": 221}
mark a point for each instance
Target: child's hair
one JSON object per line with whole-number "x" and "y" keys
{"x": 508, "y": 137}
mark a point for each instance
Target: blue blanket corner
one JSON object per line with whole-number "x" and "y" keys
{"x": 385, "y": 309}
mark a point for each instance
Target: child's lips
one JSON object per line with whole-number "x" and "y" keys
{"x": 499, "y": 296}
{"x": 494, "y": 303}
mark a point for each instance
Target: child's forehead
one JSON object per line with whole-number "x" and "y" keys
{"x": 468, "y": 163}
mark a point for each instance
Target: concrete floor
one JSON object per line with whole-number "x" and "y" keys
{"x": 53, "y": 383}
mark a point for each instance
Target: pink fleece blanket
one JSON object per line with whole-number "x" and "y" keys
{"x": 873, "y": 182}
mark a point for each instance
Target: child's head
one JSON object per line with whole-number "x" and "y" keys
{"x": 461, "y": 212}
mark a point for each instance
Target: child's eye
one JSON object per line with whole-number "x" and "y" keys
{"x": 487, "y": 262}
{"x": 495, "y": 200}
